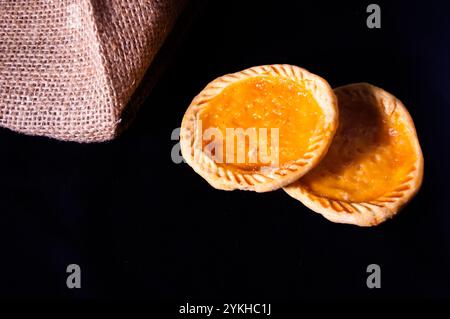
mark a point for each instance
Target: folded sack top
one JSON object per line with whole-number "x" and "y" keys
{"x": 68, "y": 68}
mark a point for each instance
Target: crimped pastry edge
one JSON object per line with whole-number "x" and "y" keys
{"x": 380, "y": 209}
{"x": 227, "y": 179}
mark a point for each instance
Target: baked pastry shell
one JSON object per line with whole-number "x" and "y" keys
{"x": 379, "y": 209}
{"x": 224, "y": 178}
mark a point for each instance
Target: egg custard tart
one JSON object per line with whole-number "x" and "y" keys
{"x": 259, "y": 129}
{"x": 374, "y": 165}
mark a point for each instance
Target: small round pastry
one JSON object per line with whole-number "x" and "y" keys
{"x": 259, "y": 129}
{"x": 374, "y": 165}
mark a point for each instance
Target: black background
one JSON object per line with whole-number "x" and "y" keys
{"x": 141, "y": 226}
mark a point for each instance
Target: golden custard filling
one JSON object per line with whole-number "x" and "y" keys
{"x": 371, "y": 155}
{"x": 260, "y": 121}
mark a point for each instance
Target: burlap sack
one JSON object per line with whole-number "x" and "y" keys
{"x": 68, "y": 68}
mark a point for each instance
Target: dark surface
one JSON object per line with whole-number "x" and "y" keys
{"x": 141, "y": 226}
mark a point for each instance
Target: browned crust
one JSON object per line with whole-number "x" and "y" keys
{"x": 228, "y": 179}
{"x": 376, "y": 211}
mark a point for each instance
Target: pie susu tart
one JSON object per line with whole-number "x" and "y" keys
{"x": 374, "y": 165}
{"x": 290, "y": 113}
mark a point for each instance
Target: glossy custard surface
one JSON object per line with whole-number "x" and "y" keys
{"x": 262, "y": 102}
{"x": 371, "y": 154}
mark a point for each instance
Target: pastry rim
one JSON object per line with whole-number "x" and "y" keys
{"x": 384, "y": 207}
{"x": 229, "y": 179}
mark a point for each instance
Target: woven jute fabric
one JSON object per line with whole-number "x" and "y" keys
{"x": 68, "y": 68}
